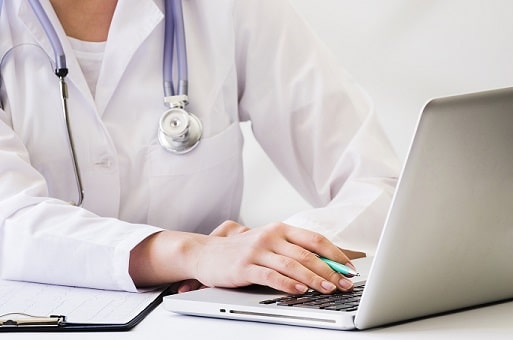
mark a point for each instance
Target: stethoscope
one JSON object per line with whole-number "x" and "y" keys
{"x": 179, "y": 131}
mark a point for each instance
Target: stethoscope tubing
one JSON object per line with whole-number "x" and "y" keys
{"x": 174, "y": 29}
{"x": 71, "y": 143}
{"x": 61, "y": 69}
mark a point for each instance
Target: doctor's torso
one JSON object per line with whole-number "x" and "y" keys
{"x": 125, "y": 172}
{"x": 248, "y": 60}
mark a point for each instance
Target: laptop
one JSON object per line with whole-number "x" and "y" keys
{"x": 447, "y": 243}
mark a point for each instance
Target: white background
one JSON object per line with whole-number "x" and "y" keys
{"x": 403, "y": 52}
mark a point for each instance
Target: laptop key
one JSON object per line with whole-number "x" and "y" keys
{"x": 347, "y": 301}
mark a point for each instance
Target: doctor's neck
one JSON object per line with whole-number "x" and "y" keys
{"x": 87, "y": 20}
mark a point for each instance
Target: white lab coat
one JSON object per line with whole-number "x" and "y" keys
{"x": 248, "y": 60}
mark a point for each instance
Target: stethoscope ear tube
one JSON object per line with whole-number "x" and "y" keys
{"x": 61, "y": 69}
{"x": 174, "y": 35}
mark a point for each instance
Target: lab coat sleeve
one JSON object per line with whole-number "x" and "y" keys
{"x": 317, "y": 126}
{"x": 48, "y": 240}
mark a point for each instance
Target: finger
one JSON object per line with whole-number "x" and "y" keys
{"x": 292, "y": 269}
{"x": 297, "y": 262}
{"x": 189, "y": 285}
{"x": 318, "y": 244}
{"x": 269, "y": 277}
{"x": 229, "y": 228}
{"x": 308, "y": 268}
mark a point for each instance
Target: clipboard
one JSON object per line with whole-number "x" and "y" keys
{"x": 91, "y": 310}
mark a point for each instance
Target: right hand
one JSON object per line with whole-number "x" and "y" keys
{"x": 277, "y": 255}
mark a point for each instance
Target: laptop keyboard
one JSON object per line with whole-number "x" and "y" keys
{"x": 338, "y": 301}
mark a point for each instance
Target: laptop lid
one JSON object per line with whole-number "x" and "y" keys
{"x": 448, "y": 239}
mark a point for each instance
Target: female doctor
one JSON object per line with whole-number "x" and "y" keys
{"x": 94, "y": 193}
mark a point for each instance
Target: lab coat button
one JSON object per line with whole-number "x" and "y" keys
{"x": 104, "y": 163}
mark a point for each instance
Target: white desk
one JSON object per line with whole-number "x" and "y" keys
{"x": 492, "y": 322}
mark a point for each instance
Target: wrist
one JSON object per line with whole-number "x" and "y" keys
{"x": 165, "y": 257}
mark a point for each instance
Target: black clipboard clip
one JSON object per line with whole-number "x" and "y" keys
{"x": 15, "y": 320}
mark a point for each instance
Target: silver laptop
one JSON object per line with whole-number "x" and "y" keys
{"x": 448, "y": 238}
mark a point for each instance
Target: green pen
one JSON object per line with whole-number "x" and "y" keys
{"x": 340, "y": 268}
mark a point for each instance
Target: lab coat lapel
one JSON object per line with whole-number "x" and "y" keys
{"x": 32, "y": 24}
{"x": 133, "y": 21}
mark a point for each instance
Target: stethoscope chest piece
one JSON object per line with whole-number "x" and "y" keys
{"x": 179, "y": 130}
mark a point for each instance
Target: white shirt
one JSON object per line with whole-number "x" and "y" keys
{"x": 89, "y": 56}
{"x": 248, "y": 60}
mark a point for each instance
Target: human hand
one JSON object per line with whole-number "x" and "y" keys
{"x": 224, "y": 230}
{"x": 277, "y": 255}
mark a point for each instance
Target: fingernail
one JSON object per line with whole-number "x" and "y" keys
{"x": 351, "y": 265}
{"x": 328, "y": 286}
{"x": 301, "y": 288}
{"x": 345, "y": 284}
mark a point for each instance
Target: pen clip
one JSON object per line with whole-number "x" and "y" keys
{"x": 26, "y": 320}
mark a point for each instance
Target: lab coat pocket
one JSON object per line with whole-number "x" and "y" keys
{"x": 198, "y": 190}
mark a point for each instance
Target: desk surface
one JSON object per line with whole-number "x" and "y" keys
{"x": 493, "y": 321}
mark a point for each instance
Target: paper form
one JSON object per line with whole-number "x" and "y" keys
{"x": 78, "y": 305}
